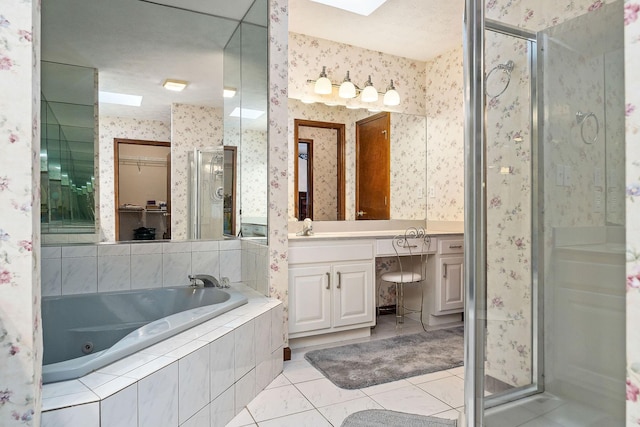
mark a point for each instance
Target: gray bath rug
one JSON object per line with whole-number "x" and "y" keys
{"x": 384, "y": 418}
{"x": 370, "y": 363}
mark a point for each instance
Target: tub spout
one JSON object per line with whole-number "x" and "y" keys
{"x": 207, "y": 280}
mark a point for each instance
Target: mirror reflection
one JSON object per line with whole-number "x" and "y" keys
{"x": 345, "y": 184}
{"x": 136, "y": 47}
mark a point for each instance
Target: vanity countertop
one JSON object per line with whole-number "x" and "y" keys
{"x": 368, "y": 234}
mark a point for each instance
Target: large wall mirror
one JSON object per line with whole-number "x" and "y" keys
{"x": 134, "y": 47}
{"x": 337, "y": 187}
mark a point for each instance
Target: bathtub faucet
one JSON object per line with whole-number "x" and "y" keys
{"x": 207, "y": 280}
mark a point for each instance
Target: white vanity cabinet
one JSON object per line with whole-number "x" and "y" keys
{"x": 331, "y": 286}
{"x": 444, "y": 299}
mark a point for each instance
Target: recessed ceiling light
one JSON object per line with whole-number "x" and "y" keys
{"x": 229, "y": 92}
{"x": 361, "y": 7}
{"x": 174, "y": 85}
{"x": 246, "y": 113}
{"x": 119, "y": 98}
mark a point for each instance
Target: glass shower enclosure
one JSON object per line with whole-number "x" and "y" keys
{"x": 206, "y": 193}
{"x": 545, "y": 221}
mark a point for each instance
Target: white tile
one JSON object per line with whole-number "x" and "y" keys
{"x": 205, "y": 246}
{"x": 79, "y": 275}
{"x": 452, "y": 414}
{"x": 96, "y": 379}
{"x": 304, "y": 419}
{"x": 158, "y": 398}
{"x": 245, "y": 390}
{"x": 149, "y": 368}
{"x": 429, "y": 377}
{"x": 121, "y": 409}
{"x": 231, "y": 265}
{"x": 140, "y": 248}
{"x": 410, "y": 399}
{"x": 278, "y": 402}
{"x": 277, "y": 327}
{"x": 263, "y": 337}
{"x": 206, "y": 263}
{"x": 545, "y": 422}
{"x": 75, "y": 416}
{"x": 450, "y": 390}
{"x": 113, "y": 387}
{"x": 575, "y": 414}
{"x": 51, "y": 276}
{"x": 201, "y": 419}
{"x": 79, "y": 251}
{"x": 279, "y": 381}
{"x": 508, "y": 416}
{"x": 277, "y": 362}
{"x": 127, "y": 364}
{"x": 542, "y": 404}
{"x": 146, "y": 271}
{"x": 222, "y": 364}
{"x": 264, "y": 374}
{"x": 323, "y": 392}
{"x": 230, "y": 244}
{"x": 300, "y": 371}
{"x": 242, "y": 419}
{"x": 187, "y": 349}
{"x": 338, "y": 412}
{"x": 114, "y": 273}
{"x": 382, "y": 388}
{"x": 69, "y": 400}
{"x": 165, "y": 346}
{"x": 194, "y": 388}
{"x": 223, "y": 408}
{"x": 176, "y": 268}
{"x": 176, "y": 247}
{"x": 118, "y": 249}
{"x": 244, "y": 345}
{"x": 63, "y": 388}
{"x": 457, "y": 371}
{"x": 219, "y": 332}
{"x": 50, "y": 252}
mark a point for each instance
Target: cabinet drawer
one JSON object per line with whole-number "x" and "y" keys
{"x": 319, "y": 253}
{"x": 451, "y": 246}
{"x": 384, "y": 247}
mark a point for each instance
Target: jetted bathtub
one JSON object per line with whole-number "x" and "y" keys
{"x": 83, "y": 333}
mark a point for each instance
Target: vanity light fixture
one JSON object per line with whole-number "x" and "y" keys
{"x": 175, "y": 85}
{"x": 229, "y": 92}
{"x": 347, "y": 91}
{"x": 369, "y": 93}
{"x": 323, "y": 84}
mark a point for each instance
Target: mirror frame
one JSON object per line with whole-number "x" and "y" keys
{"x": 341, "y": 138}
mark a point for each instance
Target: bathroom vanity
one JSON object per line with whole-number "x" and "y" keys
{"x": 332, "y": 283}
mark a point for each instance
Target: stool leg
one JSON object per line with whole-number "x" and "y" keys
{"x": 401, "y": 304}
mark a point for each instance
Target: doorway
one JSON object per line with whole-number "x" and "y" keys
{"x": 373, "y": 167}
{"x": 304, "y": 199}
{"x": 326, "y": 195}
{"x": 142, "y": 189}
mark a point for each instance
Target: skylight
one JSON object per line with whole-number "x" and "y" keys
{"x": 246, "y": 113}
{"x": 119, "y": 98}
{"x": 361, "y": 7}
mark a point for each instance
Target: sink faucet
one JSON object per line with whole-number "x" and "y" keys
{"x": 207, "y": 280}
{"x": 307, "y": 228}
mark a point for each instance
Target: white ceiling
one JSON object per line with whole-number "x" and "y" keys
{"x": 416, "y": 29}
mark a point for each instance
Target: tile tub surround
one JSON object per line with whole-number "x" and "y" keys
{"x": 123, "y": 266}
{"x": 205, "y": 374}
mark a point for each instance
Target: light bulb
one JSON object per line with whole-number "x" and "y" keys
{"x": 369, "y": 94}
{"x": 347, "y": 89}
{"x": 391, "y": 97}
{"x": 323, "y": 84}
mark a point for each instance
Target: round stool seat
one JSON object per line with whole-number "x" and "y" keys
{"x": 401, "y": 277}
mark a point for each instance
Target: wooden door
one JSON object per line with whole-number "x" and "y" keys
{"x": 373, "y": 167}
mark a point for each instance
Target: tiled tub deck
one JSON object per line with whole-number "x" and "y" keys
{"x": 200, "y": 377}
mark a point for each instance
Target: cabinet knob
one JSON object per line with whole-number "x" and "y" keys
{"x": 328, "y": 280}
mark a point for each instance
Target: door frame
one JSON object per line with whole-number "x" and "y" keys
{"x": 234, "y": 153}
{"x": 116, "y": 175}
{"x": 309, "y": 142}
{"x": 341, "y": 148}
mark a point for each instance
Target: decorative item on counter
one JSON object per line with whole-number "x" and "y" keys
{"x": 162, "y": 205}
{"x": 144, "y": 233}
{"x": 152, "y": 206}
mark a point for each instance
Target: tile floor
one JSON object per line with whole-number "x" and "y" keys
{"x": 302, "y": 397}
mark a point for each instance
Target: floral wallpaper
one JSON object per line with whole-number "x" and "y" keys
{"x": 632, "y": 103}
{"x": 325, "y": 166}
{"x": 408, "y": 156}
{"x": 278, "y": 156}
{"x": 127, "y": 128}
{"x": 307, "y": 55}
{"x": 253, "y": 152}
{"x": 508, "y": 188}
{"x": 192, "y": 126}
{"x": 20, "y": 329}
{"x": 445, "y": 136}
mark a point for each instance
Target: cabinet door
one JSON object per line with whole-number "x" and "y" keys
{"x": 353, "y": 293}
{"x": 451, "y": 295}
{"x": 309, "y": 298}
